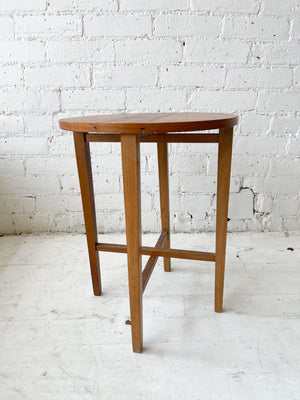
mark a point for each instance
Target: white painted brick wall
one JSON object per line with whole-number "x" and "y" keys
{"x": 47, "y": 26}
{"x": 61, "y": 58}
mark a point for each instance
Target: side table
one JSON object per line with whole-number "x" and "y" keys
{"x": 131, "y": 130}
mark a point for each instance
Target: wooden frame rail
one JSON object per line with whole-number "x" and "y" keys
{"x": 152, "y": 260}
{"x": 159, "y": 252}
{"x": 157, "y": 137}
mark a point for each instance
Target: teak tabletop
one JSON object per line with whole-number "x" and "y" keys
{"x": 149, "y": 122}
{"x": 162, "y": 128}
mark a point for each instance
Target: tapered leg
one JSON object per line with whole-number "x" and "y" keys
{"x": 131, "y": 181}
{"x": 83, "y": 157}
{"x": 224, "y": 165}
{"x": 163, "y": 173}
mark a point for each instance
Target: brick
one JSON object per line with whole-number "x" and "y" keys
{"x": 191, "y": 165}
{"x": 57, "y": 76}
{"x": 68, "y": 222}
{"x": 192, "y": 76}
{"x": 250, "y": 165}
{"x": 117, "y": 25}
{"x": 146, "y": 148}
{"x": 55, "y": 204}
{"x": 11, "y": 101}
{"x": 266, "y": 28}
{"x": 286, "y": 166}
{"x": 38, "y": 124}
{"x": 148, "y": 51}
{"x": 146, "y": 201}
{"x": 254, "y": 123}
{"x": 283, "y": 186}
{"x": 7, "y": 226}
{"x": 124, "y": 76}
{"x": 260, "y": 145}
{"x": 29, "y": 185}
{"x": 58, "y": 204}
{"x": 11, "y": 75}
{"x": 6, "y": 28}
{"x": 296, "y": 28}
{"x": 221, "y": 6}
{"x": 11, "y": 167}
{"x": 93, "y": 99}
{"x": 11, "y": 124}
{"x": 187, "y": 25}
{"x": 154, "y": 100}
{"x": 45, "y": 25}
{"x": 62, "y": 145}
{"x": 193, "y": 149}
{"x": 100, "y": 149}
{"x": 215, "y": 51}
{"x": 269, "y": 53}
{"x": 285, "y": 124}
{"x": 107, "y": 221}
{"x": 107, "y": 165}
{"x": 114, "y": 201}
{"x": 263, "y": 203}
{"x": 51, "y": 166}
{"x": 24, "y": 145}
{"x": 155, "y": 5}
{"x": 102, "y": 184}
{"x": 258, "y": 77}
{"x": 20, "y": 5}
{"x": 31, "y": 222}
{"x": 183, "y": 222}
{"x": 149, "y": 184}
{"x": 150, "y": 221}
{"x": 278, "y": 7}
{"x": 194, "y": 184}
{"x": 8, "y": 204}
{"x": 83, "y": 5}
{"x": 80, "y": 51}
{"x": 294, "y": 147}
{"x": 41, "y": 101}
{"x": 297, "y": 78}
{"x": 278, "y": 102}
{"x": 229, "y": 101}
{"x": 73, "y": 203}
{"x": 290, "y": 224}
{"x": 190, "y": 203}
{"x": 26, "y": 51}
{"x": 285, "y": 206}
{"x": 241, "y": 205}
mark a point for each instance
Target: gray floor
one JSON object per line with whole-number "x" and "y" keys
{"x": 58, "y": 341}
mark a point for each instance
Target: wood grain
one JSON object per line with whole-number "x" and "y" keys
{"x": 163, "y": 174}
{"x": 176, "y": 253}
{"x": 149, "y": 122}
{"x": 84, "y": 167}
{"x": 130, "y": 148}
{"x": 152, "y": 251}
{"x": 152, "y": 260}
{"x": 157, "y": 137}
{"x": 223, "y": 184}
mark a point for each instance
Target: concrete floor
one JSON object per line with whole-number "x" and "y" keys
{"x": 59, "y": 342}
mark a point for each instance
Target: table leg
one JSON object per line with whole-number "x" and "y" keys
{"x": 130, "y": 146}
{"x": 83, "y": 158}
{"x": 224, "y": 166}
{"x": 163, "y": 173}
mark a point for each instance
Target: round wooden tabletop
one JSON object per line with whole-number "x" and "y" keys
{"x": 149, "y": 122}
